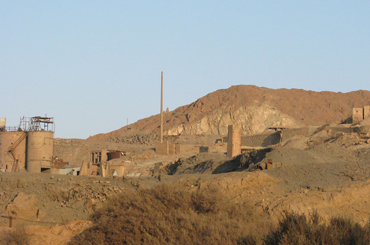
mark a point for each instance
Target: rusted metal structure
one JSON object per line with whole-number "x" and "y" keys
{"x": 27, "y": 146}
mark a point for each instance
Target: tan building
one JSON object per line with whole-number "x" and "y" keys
{"x": 100, "y": 165}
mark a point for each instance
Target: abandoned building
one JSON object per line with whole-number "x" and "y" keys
{"x": 236, "y": 143}
{"x": 99, "y": 156}
{"x": 166, "y": 148}
{"x": 27, "y": 146}
{"x": 359, "y": 114}
{"x": 99, "y": 164}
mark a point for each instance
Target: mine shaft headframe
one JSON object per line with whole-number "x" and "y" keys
{"x": 42, "y": 124}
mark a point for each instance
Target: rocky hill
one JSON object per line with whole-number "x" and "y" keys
{"x": 255, "y": 108}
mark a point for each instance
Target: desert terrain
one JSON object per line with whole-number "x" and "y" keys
{"x": 326, "y": 171}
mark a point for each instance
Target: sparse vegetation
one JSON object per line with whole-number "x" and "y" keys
{"x": 167, "y": 216}
{"x": 15, "y": 236}
{"x": 298, "y": 229}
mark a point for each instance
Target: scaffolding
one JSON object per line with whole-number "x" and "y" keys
{"x": 42, "y": 124}
{"x": 32, "y": 124}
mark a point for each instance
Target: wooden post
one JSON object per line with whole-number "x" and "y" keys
{"x": 162, "y": 107}
{"x": 10, "y": 220}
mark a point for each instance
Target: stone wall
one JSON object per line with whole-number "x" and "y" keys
{"x": 261, "y": 139}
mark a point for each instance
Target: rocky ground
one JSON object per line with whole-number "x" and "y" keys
{"x": 324, "y": 172}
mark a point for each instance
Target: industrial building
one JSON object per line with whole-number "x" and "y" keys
{"x": 27, "y": 146}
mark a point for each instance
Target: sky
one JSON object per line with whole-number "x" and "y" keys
{"x": 96, "y": 65}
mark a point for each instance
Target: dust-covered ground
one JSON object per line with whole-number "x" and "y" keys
{"x": 325, "y": 172}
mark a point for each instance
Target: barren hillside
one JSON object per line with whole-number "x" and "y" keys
{"x": 326, "y": 171}
{"x": 255, "y": 108}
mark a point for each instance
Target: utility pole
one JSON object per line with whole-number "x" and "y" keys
{"x": 162, "y": 107}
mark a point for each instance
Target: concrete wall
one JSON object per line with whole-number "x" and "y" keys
{"x": 273, "y": 138}
{"x": 234, "y": 140}
{"x": 99, "y": 156}
{"x": 64, "y": 171}
{"x": 177, "y": 148}
{"x": 2, "y": 123}
{"x": 120, "y": 170}
{"x": 166, "y": 148}
{"x": 338, "y": 129}
{"x": 357, "y": 115}
{"x": 162, "y": 148}
{"x": 366, "y": 111}
{"x": 7, "y": 141}
{"x": 40, "y": 146}
{"x": 261, "y": 139}
{"x": 291, "y": 132}
{"x": 171, "y": 149}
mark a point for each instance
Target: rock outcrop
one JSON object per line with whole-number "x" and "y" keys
{"x": 253, "y": 120}
{"x": 255, "y": 108}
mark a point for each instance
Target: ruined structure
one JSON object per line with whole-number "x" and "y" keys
{"x": 100, "y": 165}
{"x": 359, "y": 114}
{"x": 366, "y": 111}
{"x": 2, "y": 124}
{"x": 166, "y": 148}
{"x": 27, "y": 146}
{"x": 234, "y": 140}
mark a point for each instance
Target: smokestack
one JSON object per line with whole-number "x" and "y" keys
{"x": 162, "y": 107}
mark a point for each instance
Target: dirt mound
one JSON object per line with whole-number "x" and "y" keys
{"x": 365, "y": 122}
{"x": 255, "y": 107}
{"x": 215, "y": 163}
{"x": 244, "y": 161}
{"x": 58, "y": 234}
{"x": 24, "y": 206}
{"x": 200, "y": 163}
{"x": 335, "y": 161}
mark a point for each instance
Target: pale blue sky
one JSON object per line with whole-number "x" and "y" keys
{"x": 93, "y": 64}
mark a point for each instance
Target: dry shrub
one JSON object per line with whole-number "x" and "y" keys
{"x": 164, "y": 215}
{"x": 15, "y": 236}
{"x": 298, "y": 229}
